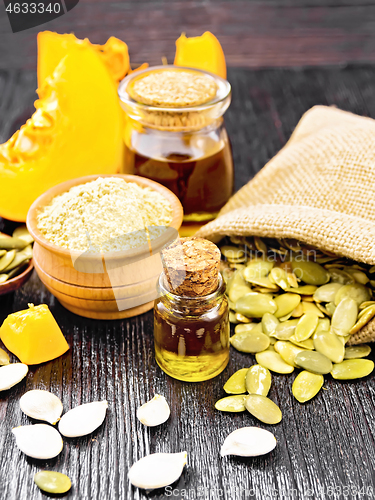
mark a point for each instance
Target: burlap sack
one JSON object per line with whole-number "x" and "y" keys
{"x": 319, "y": 189}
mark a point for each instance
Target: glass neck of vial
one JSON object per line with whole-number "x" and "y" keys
{"x": 190, "y": 305}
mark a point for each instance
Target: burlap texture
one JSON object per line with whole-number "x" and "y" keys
{"x": 319, "y": 189}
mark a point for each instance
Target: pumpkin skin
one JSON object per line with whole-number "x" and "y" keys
{"x": 75, "y": 131}
{"x": 201, "y": 52}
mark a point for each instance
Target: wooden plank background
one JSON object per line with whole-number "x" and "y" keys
{"x": 325, "y": 447}
{"x": 254, "y": 33}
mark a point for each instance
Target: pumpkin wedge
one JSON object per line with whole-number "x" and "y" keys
{"x": 201, "y": 52}
{"x": 52, "y": 47}
{"x": 33, "y": 335}
{"x": 75, "y": 131}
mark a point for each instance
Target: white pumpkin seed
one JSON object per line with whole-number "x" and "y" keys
{"x": 41, "y": 405}
{"x": 157, "y": 470}
{"x": 38, "y": 441}
{"x": 154, "y": 412}
{"x": 83, "y": 419}
{"x": 12, "y": 374}
{"x": 248, "y": 442}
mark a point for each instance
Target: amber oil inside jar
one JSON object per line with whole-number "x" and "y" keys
{"x": 175, "y": 135}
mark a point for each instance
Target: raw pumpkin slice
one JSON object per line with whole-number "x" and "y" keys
{"x": 52, "y": 47}
{"x": 201, "y": 52}
{"x": 33, "y": 335}
{"x": 75, "y": 131}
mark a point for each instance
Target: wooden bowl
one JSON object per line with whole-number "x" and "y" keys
{"x": 110, "y": 276}
{"x": 15, "y": 283}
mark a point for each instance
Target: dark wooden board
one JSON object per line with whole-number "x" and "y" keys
{"x": 253, "y": 33}
{"x": 325, "y": 448}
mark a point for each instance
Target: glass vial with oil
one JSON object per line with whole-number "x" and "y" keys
{"x": 191, "y": 315}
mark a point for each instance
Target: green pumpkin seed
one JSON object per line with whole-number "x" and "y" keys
{"x": 6, "y": 260}
{"x": 323, "y": 324}
{"x": 307, "y": 385}
{"x": 330, "y": 308}
{"x": 242, "y": 319}
{"x": 288, "y": 351}
{"x": 232, "y": 317}
{"x": 250, "y": 341}
{"x": 263, "y": 409}
{"x": 3, "y": 278}
{"x": 366, "y": 304}
{"x": 351, "y": 369}
{"x": 345, "y": 316}
{"x": 260, "y": 245}
{"x": 264, "y": 283}
{"x": 4, "y": 358}
{"x": 269, "y": 323}
{"x": 303, "y": 290}
{"x": 355, "y": 291}
{"x": 363, "y": 319}
{"x": 330, "y": 346}
{"x": 286, "y": 303}
{"x": 308, "y": 307}
{"x": 237, "y": 286}
{"x": 340, "y": 276}
{"x": 258, "y": 380}
{"x": 310, "y": 273}
{"x": 257, "y": 268}
{"x": 305, "y": 344}
{"x": 322, "y": 308}
{"x": 236, "y": 383}
{"x": 292, "y": 280}
{"x": 357, "y": 351}
{"x": 238, "y": 291}
{"x": 285, "y": 318}
{"x": 2, "y": 252}
{"x": 22, "y": 233}
{"x": 232, "y": 404}
{"x": 254, "y": 305}
{"x": 314, "y": 362}
{"x": 12, "y": 243}
{"x": 327, "y": 293}
{"x": 280, "y": 277}
{"x": 364, "y": 311}
{"x": 19, "y": 259}
{"x": 244, "y": 327}
{"x": 273, "y": 361}
{"x": 52, "y": 482}
{"x": 285, "y": 330}
{"x": 232, "y": 252}
{"x": 298, "y": 311}
{"x": 359, "y": 276}
{"x": 306, "y": 326}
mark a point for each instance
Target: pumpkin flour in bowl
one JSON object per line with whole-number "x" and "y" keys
{"x": 107, "y": 214}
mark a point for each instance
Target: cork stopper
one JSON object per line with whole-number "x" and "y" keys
{"x": 191, "y": 267}
{"x": 173, "y": 88}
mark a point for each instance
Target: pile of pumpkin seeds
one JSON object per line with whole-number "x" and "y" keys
{"x": 294, "y": 306}
{"x": 15, "y": 253}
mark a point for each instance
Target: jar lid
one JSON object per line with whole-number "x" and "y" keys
{"x": 174, "y": 98}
